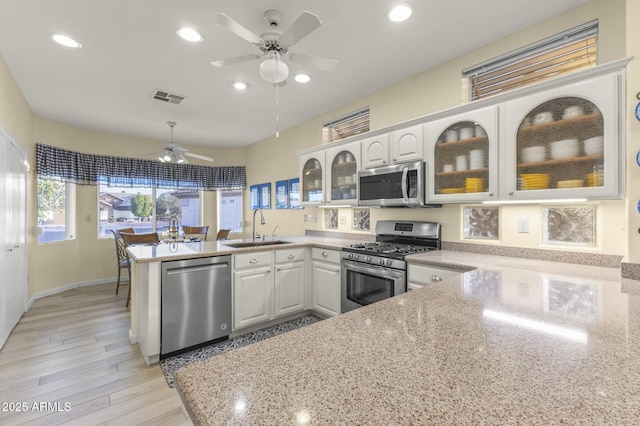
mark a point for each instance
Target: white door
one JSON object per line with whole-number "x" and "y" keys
{"x": 289, "y": 294}
{"x": 326, "y": 288}
{"x": 13, "y": 258}
{"x": 407, "y": 144}
{"x": 252, "y": 295}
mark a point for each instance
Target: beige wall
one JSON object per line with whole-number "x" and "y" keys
{"x": 88, "y": 259}
{"x": 434, "y": 90}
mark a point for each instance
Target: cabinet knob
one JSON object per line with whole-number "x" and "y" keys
{"x": 325, "y": 254}
{"x": 511, "y": 193}
{"x": 491, "y": 194}
{"x": 291, "y": 256}
{"x": 253, "y": 261}
{"x": 435, "y": 278}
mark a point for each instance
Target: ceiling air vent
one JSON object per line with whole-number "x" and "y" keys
{"x": 172, "y": 98}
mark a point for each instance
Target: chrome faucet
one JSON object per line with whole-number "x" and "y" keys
{"x": 273, "y": 234}
{"x": 262, "y": 221}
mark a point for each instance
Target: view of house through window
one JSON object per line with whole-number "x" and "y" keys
{"x": 146, "y": 209}
{"x": 56, "y": 211}
{"x": 230, "y": 203}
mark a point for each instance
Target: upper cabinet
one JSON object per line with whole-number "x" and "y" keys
{"x": 407, "y": 144}
{"x": 463, "y": 153}
{"x": 330, "y": 176}
{"x": 312, "y": 171}
{"x": 564, "y": 142}
{"x": 343, "y": 163}
{"x": 375, "y": 151}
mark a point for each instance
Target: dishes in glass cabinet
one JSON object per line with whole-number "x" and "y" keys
{"x": 534, "y": 181}
{"x": 594, "y": 146}
{"x": 533, "y": 154}
{"x": 452, "y": 190}
{"x": 568, "y": 148}
{"x": 571, "y": 183}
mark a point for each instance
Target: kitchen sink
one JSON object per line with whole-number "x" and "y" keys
{"x": 244, "y": 244}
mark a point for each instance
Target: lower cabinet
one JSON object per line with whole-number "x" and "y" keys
{"x": 325, "y": 283}
{"x": 267, "y": 285}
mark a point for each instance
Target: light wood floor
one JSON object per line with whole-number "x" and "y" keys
{"x": 73, "y": 349}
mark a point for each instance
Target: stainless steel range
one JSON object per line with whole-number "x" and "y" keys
{"x": 377, "y": 270}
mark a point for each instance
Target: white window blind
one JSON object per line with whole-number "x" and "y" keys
{"x": 569, "y": 51}
{"x": 348, "y": 125}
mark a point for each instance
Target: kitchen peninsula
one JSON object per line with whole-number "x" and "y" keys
{"x": 511, "y": 341}
{"x": 146, "y": 276}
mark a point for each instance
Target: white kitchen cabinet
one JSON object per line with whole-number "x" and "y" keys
{"x": 375, "y": 151}
{"x": 407, "y": 144}
{"x": 253, "y": 284}
{"x": 557, "y": 122}
{"x": 419, "y": 276}
{"x": 326, "y": 281}
{"x": 13, "y": 249}
{"x": 343, "y": 163}
{"x": 462, "y": 150}
{"x": 289, "y": 295}
{"x": 312, "y": 178}
{"x": 267, "y": 285}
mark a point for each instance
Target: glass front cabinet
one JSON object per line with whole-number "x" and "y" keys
{"x": 463, "y": 156}
{"x": 312, "y": 182}
{"x": 342, "y": 165}
{"x": 564, "y": 142}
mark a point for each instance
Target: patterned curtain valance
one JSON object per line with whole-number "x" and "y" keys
{"x": 89, "y": 169}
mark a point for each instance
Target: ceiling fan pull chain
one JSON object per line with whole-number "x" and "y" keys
{"x": 277, "y": 103}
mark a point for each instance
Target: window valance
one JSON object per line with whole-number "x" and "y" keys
{"x": 90, "y": 169}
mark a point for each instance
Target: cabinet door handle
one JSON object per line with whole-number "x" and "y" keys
{"x": 253, "y": 261}
{"x": 325, "y": 254}
{"x": 511, "y": 193}
{"x": 434, "y": 278}
{"x": 291, "y": 256}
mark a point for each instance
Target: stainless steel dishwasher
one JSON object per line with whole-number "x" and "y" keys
{"x": 196, "y": 302}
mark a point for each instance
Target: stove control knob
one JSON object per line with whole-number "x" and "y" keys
{"x": 367, "y": 259}
{"x": 350, "y": 255}
{"x": 389, "y": 262}
{"x": 381, "y": 261}
{"x": 356, "y": 256}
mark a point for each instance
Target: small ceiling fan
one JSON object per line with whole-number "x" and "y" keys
{"x": 275, "y": 44}
{"x": 172, "y": 153}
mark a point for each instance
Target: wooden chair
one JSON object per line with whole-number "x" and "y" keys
{"x": 223, "y": 234}
{"x": 198, "y": 233}
{"x": 121, "y": 253}
{"x": 133, "y": 239}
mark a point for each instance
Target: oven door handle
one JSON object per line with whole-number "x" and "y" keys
{"x": 373, "y": 269}
{"x": 405, "y": 189}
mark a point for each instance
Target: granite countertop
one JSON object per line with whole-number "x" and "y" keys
{"x": 191, "y": 250}
{"x": 511, "y": 341}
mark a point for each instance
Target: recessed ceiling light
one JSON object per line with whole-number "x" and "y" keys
{"x": 239, "y": 85}
{"x": 189, "y": 34}
{"x": 400, "y": 12}
{"x": 65, "y": 41}
{"x": 302, "y": 78}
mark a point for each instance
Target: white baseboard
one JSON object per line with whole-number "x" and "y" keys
{"x": 69, "y": 287}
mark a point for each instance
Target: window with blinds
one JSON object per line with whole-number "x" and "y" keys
{"x": 348, "y": 125}
{"x": 569, "y": 51}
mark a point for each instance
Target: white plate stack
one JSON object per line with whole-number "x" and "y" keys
{"x": 567, "y": 148}
{"x": 476, "y": 159}
{"x": 594, "y": 146}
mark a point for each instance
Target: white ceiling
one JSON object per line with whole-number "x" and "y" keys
{"x": 130, "y": 48}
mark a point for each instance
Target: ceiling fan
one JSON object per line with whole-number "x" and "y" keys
{"x": 172, "y": 153}
{"x": 275, "y": 44}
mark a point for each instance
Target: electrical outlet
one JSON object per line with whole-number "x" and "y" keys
{"x": 523, "y": 225}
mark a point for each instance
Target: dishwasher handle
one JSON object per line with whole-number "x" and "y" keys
{"x": 198, "y": 268}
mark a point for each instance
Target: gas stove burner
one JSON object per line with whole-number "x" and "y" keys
{"x": 384, "y": 248}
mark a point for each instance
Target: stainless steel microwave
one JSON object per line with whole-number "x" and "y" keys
{"x": 400, "y": 185}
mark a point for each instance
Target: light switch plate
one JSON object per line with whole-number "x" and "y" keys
{"x": 523, "y": 225}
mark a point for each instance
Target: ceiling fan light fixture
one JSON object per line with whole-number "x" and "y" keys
{"x": 302, "y": 78}
{"x": 400, "y": 12}
{"x": 274, "y": 70}
{"x": 189, "y": 34}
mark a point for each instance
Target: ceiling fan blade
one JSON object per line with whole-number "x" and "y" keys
{"x": 236, "y": 28}
{"x": 202, "y": 157}
{"x": 233, "y": 61}
{"x": 302, "y": 27}
{"x": 317, "y": 62}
